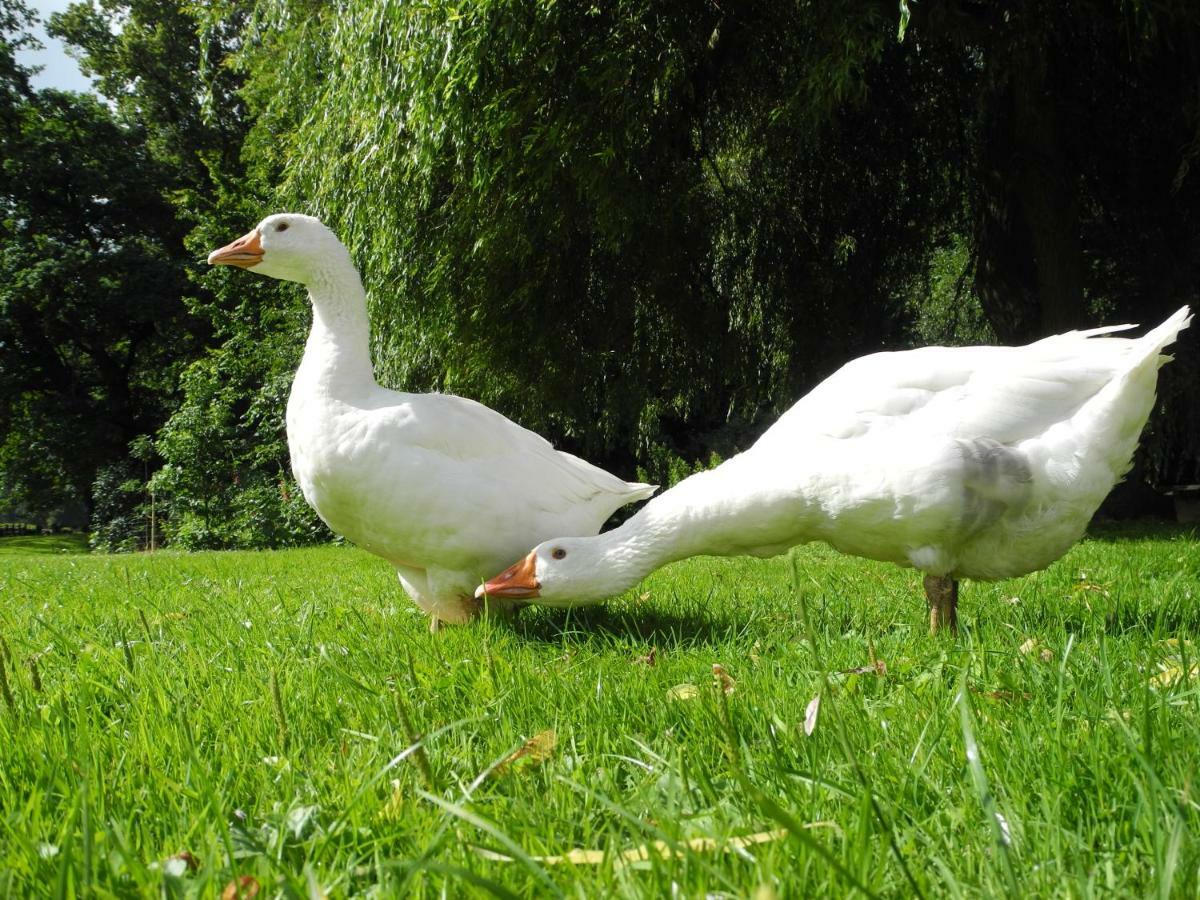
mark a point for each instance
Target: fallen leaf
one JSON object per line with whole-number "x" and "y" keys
{"x": 241, "y": 888}
{"x": 879, "y": 667}
{"x": 644, "y": 597}
{"x": 683, "y": 691}
{"x": 722, "y": 679}
{"x": 810, "y": 715}
{"x": 536, "y": 750}
{"x": 649, "y": 659}
{"x": 657, "y": 849}
{"x": 1028, "y": 647}
{"x": 1171, "y": 672}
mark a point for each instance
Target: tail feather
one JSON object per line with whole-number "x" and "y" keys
{"x": 639, "y": 491}
{"x": 1166, "y": 333}
{"x": 1113, "y": 420}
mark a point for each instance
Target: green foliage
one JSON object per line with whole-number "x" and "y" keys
{"x": 611, "y": 223}
{"x": 1067, "y": 706}
{"x": 93, "y": 330}
{"x": 643, "y": 228}
{"x": 223, "y": 479}
{"x": 226, "y": 482}
{"x": 945, "y": 310}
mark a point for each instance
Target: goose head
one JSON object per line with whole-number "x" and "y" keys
{"x": 287, "y": 246}
{"x": 562, "y": 572}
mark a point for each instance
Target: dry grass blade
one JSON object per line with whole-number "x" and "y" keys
{"x": 536, "y": 750}
{"x": 243, "y": 887}
{"x": 657, "y": 849}
{"x": 878, "y": 667}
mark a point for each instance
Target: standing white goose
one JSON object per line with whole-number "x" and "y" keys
{"x": 443, "y": 488}
{"x": 969, "y": 462}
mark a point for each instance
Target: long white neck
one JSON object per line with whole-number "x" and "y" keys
{"x": 732, "y": 510}
{"x": 337, "y": 357}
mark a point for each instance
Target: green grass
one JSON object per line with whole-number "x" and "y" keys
{"x": 26, "y": 544}
{"x": 248, "y": 709}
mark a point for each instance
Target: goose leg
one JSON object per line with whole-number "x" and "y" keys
{"x": 942, "y": 594}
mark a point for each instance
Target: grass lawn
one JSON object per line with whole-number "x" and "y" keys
{"x": 200, "y": 718}
{"x": 43, "y": 543}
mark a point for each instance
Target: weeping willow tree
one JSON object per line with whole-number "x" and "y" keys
{"x": 644, "y": 228}
{"x": 637, "y": 227}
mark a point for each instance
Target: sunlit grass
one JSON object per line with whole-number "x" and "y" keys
{"x": 156, "y": 731}
{"x": 25, "y": 544}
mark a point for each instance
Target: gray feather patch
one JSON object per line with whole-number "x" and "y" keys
{"x": 996, "y": 478}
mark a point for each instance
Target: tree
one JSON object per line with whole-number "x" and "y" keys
{"x": 92, "y": 327}
{"x": 174, "y": 67}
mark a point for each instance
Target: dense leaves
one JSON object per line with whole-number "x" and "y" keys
{"x": 642, "y": 228}
{"x": 92, "y": 325}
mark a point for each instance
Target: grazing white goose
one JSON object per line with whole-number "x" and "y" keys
{"x": 968, "y": 462}
{"x": 443, "y": 488}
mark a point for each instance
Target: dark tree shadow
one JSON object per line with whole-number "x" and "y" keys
{"x": 617, "y": 623}
{"x": 1112, "y": 531}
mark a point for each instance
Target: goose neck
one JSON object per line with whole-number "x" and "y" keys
{"x": 338, "y": 349}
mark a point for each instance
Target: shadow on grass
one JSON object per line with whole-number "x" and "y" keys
{"x": 1112, "y": 531}
{"x": 42, "y": 544}
{"x": 619, "y": 624}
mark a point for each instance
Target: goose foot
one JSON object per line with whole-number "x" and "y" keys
{"x": 942, "y": 594}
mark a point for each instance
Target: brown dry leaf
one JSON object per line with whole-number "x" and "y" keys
{"x": 723, "y": 679}
{"x": 683, "y": 691}
{"x": 537, "y": 750}
{"x": 810, "y": 715}
{"x": 879, "y": 667}
{"x": 649, "y": 659}
{"x": 241, "y": 888}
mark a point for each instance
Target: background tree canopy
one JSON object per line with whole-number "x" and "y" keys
{"x": 643, "y": 228}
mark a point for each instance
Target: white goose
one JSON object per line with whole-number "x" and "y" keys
{"x": 443, "y": 488}
{"x": 969, "y": 462}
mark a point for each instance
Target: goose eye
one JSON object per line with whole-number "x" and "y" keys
{"x": 558, "y": 552}
{"x": 282, "y": 226}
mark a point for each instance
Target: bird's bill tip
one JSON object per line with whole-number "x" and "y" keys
{"x": 517, "y": 582}
{"x": 245, "y": 252}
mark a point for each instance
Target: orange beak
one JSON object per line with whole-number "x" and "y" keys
{"x": 518, "y": 581}
{"x": 245, "y": 252}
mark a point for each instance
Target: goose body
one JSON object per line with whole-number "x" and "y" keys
{"x": 443, "y": 488}
{"x": 968, "y": 462}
